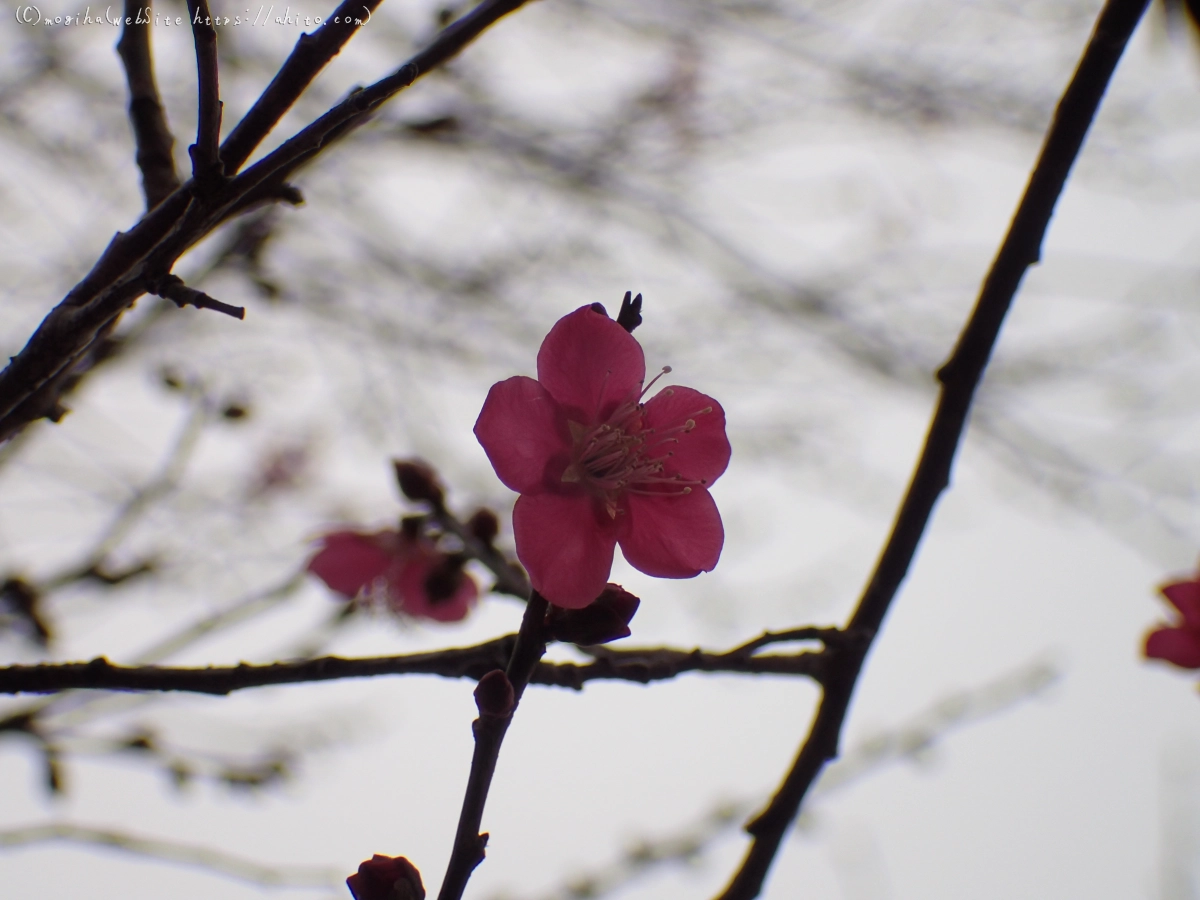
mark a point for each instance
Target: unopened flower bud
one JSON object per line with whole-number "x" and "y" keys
{"x": 419, "y": 481}
{"x": 484, "y": 525}
{"x": 630, "y": 316}
{"x": 605, "y": 619}
{"x": 386, "y": 878}
{"x": 494, "y": 694}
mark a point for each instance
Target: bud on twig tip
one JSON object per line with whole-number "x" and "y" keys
{"x": 418, "y": 481}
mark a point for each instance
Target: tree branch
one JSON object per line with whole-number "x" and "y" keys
{"x": 151, "y": 134}
{"x": 242, "y": 610}
{"x": 207, "y": 172}
{"x": 357, "y": 108}
{"x": 641, "y": 666}
{"x": 137, "y": 258}
{"x": 310, "y": 55}
{"x": 959, "y": 377}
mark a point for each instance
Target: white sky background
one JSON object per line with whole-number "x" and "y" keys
{"x": 807, "y": 254}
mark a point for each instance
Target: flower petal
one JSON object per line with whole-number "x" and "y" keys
{"x": 701, "y": 453}
{"x": 1175, "y": 645}
{"x": 349, "y": 561}
{"x": 1185, "y": 597}
{"x": 565, "y": 547}
{"x": 522, "y": 431}
{"x": 590, "y": 364}
{"x": 672, "y": 536}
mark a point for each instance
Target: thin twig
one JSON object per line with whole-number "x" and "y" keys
{"x": 206, "y": 858}
{"x": 151, "y": 134}
{"x": 641, "y": 666}
{"x": 489, "y": 731}
{"x": 171, "y": 287}
{"x": 510, "y": 579}
{"x": 358, "y": 107}
{"x": 310, "y": 55}
{"x": 831, "y": 637}
{"x": 207, "y": 172}
{"x": 959, "y": 378}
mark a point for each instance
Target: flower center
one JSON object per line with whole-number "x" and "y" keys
{"x": 621, "y": 455}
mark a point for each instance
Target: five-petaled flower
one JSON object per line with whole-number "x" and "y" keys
{"x": 408, "y": 572}
{"x": 596, "y": 467}
{"x": 1179, "y": 644}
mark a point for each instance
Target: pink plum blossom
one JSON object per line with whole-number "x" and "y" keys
{"x": 597, "y": 467}
{"x": 409, "y": 572}
{"x": 1179, "y": 644}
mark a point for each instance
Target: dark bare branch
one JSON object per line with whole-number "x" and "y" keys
{"x": 641, "y": 666}
{"x": 959, "y": 377}
{"x": 137, "y": 258}
{"x": 207, "y": 171}
{"x": 310, "y": 55}
{"x": 357, "y": 108}
{"x": 151, "y": 134}
{"x": 489, "y": 730}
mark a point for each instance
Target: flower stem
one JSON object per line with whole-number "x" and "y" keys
{"x": 489, "y": 733}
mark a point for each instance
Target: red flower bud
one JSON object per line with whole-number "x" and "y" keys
{"x": 484, "y": 525}
{"x": 606, "y": 619}
{"x": 419, "y": 481}
{"x": 386, "y": 878}
{"x": 494, "y": 694}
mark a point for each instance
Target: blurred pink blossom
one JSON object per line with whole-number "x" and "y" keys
{"x": 409, "y": 572}
{"x": 1179, "y": 644}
